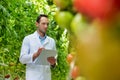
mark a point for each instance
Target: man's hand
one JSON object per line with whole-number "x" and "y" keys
{"x": 51, "y": 60}
{"x": 35, "y": 55}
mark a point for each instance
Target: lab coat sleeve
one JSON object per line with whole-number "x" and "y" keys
{"x": 54, "y": 47}
{"x": 25, "y": 56}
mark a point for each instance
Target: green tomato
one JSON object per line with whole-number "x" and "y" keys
{"x": 78, "y": 24}
{"x": 99, "y": 52}
{"x": 64, "y": 19}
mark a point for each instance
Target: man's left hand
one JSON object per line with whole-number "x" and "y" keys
{"x": 51, "y": 60}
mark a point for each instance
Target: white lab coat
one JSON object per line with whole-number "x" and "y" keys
{"x": 30, "y": 45}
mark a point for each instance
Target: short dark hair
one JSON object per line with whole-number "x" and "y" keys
{"x": 39, "y": 17}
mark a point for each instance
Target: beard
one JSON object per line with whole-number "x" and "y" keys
{"x": 42, "y": 31}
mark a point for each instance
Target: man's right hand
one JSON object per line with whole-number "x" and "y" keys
{"x": 35, "y": 55}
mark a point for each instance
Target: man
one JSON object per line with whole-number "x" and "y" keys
{"x": 32, "y": 47}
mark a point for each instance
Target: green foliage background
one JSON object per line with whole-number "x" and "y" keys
{"x": 17, "y": 19}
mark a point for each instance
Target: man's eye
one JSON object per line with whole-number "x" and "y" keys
{"x": 45, "y": 23}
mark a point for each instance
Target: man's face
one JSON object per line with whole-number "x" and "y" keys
{"x": 43, "y": 24}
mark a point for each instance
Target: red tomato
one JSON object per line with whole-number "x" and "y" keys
{"x": 95, "y": 8}
{"x": 75, "y": 72}
{"x": 117, "y": 3}
{"x": 69, "y": 58}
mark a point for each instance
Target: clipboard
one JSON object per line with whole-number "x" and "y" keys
{"x": 42, "y": 58}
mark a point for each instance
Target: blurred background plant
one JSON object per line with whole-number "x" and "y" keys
{"x": 17, "y": 19}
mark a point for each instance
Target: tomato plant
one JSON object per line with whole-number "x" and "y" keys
{"x": 17, "y": 19}
{"x": 94, "y": 36}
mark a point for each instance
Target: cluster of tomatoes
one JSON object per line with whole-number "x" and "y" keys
{"x": 74, "y": 13}
{"x": 96, "y": 25}
{"x": 102, "y": 9}
{"x": 74, "y": 69}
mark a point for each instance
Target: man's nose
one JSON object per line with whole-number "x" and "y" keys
{"x": 46, "y": 25}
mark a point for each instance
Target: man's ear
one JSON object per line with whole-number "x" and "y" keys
{"x": 36, "y": 24}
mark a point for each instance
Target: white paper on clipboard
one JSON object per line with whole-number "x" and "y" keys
{"x": 42, "y": 58}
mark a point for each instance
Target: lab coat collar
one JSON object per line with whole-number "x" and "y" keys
{"x": 35, "y": 35}
{"x": 41, "y": 38}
